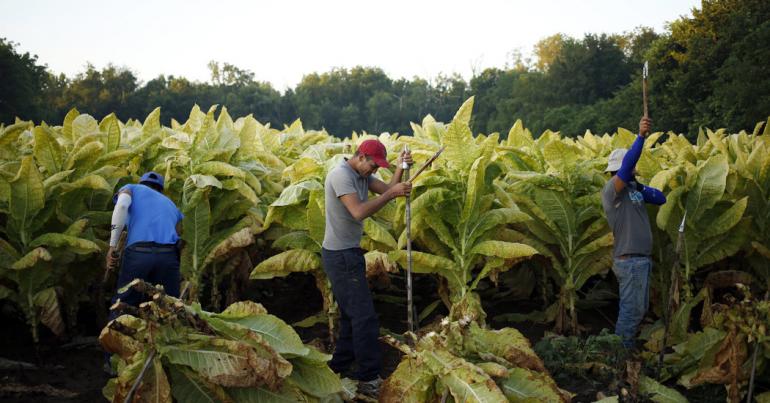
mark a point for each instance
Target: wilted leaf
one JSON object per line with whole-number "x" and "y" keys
{"x": 284, "y": 263}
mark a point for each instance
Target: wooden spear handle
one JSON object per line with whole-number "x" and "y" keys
{"x": 644, "y": 88}
{"x": 426, "y": 164}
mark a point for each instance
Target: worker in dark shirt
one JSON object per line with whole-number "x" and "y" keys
{"x": 623, "y": 199}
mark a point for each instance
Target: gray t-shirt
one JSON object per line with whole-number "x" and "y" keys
{"x": 342, "y": 230}
{"x": 628, "y": 220}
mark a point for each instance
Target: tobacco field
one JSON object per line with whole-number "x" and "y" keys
{"x": 512, "y": 261}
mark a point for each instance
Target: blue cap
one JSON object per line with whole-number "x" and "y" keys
{"x": 152, "y": 177}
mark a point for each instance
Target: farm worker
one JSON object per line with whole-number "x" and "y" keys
{"x": 347, "y": 189}
{"x": 624, "y": 198}
{"x": 154, "y": 226}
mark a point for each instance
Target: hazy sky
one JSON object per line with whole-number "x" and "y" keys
{"x": 280, "y": 41}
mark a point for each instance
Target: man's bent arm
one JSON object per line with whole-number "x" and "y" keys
{"x": 361, "y": 210}
{"x": 119, "y": 216}
{"x": 652, "y": 195}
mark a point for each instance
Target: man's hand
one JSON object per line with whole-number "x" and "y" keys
{"x": 645, "y": 125}
{"x": 400, "y": 190}
{"x": 112, "y": 258}
{"x": 405, "y": 156}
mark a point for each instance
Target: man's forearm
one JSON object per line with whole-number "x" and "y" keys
{"x": 626, "y": 171}
{"x": 396, "y": 176}
{"x": 369, "y": 207}
{"x": 651, "y": 195}
{"x": 119, "y": 217}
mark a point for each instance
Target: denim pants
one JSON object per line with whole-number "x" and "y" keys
{"x": 633, "y": 276}
{"x": 359, "y": 326}
{"x": 154, "y": 265}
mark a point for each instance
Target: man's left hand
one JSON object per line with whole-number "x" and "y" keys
{"x": 405, "y": 156}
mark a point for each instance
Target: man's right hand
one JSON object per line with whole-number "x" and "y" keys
{"x": 112, "y": 258}
{"x": 645, "y": 125}
{"x": 400, "y": 189}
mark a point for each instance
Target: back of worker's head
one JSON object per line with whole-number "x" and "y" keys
{"x": 153, "y": 180}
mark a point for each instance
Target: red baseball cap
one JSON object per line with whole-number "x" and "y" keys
{"x": 376, "y": 150}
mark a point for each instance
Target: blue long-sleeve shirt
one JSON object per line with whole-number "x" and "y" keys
{"x": 626, "y": 174}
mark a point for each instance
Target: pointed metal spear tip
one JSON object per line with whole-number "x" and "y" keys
{"x": 681, "y": 226}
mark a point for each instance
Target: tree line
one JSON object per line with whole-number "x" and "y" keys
{"x": 708, "y": 69}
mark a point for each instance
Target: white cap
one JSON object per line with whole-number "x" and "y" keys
{"x": 615, "y": 160}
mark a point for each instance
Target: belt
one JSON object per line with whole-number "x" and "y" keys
{"x": 631, "y": 255}
{"x": 151, "y": 247}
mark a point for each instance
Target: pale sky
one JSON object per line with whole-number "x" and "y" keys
{"x": 280, "y": 41}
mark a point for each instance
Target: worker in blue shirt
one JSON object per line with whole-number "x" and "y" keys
{"x": 154, "y": 224}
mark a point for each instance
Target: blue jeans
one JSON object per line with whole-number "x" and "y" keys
{"x": 154, "y": 265}
{"x": 359, "y": 326}
{"x": 633, "y": 276}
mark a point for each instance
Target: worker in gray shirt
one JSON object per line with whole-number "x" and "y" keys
{"x": 347, "y": 189}
{"x": 623, "y": 199}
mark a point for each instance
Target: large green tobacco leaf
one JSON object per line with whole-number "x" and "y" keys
{"x": 316, "y": 220}
{"x": 429, "y": 263}
{"x": 71, "y": 243}
{"x": 11, "y": 133}
{"x": 82, "y": 158}
{"x": 67, "y": 124}
{"x": 27, "y": 196}
{"x": 196, "y": 224}
{"x": 289, "y": 394}
{"x": 659, "y": 393}
{"x": 84, "y": 125}
{"x": 411, "y": 382}
{"x": 492, "y": 219}
{"x": 689, "y": 353}
{"x": 473, "y": 191}
{"x": 558, "y": 210}
{"x": 297, "y": 240}
{"x": 720, "y": 247}
{"x": 47, "y": 302}
{"x": 274, "y": 331}
{"x": 285, "y": 263}
{"x": 523, "y": 385}
{"x": 32, "y": 258}
{"x": 505, "y": 250}
{"x": 47, "y": 150}
{"x": 229, "y": 240}
{"x": 709, "y": 187}
{"x": 465, "y": 381}
{"x": 155, "y": 387}
{"x": 218, "y": 357}
{"x": 508, "y": 344}
{"x": 461, "y": 149}
{"x": 230, "y": 363}
{"x": 314, "y": 378}
{"x": 379, "y": 233}
{"x": 123, "y": 383}
{"x": 111, "y": 127}
{"x": 187, "y": 386}
{"x": 560, "y": 155}
{"x": 296, "y": 193}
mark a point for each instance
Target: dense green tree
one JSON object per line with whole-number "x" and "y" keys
{"x": 707, "y": 69}
{"x": 22, "y": 83}
{"x": 710, "y": 70}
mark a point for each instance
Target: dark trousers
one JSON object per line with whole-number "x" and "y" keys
{"x": 359, "y": 327}
{"x": 154, "y": 264}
